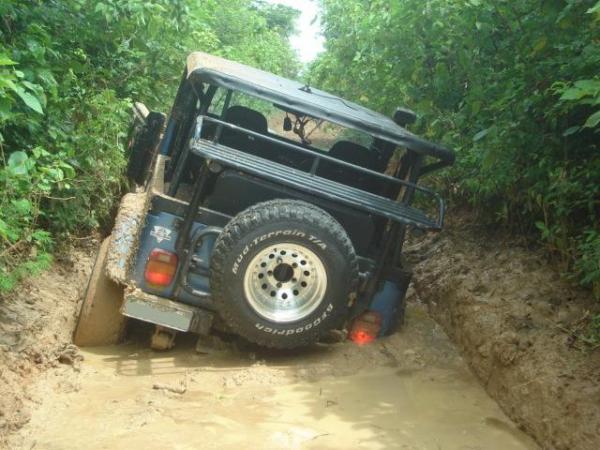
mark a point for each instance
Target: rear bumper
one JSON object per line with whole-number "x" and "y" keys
{"x": 167, "y": 313}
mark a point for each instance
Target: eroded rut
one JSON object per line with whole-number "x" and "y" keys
{"x": 412, "y": 390}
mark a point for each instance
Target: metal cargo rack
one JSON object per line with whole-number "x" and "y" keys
{"x": 308, "y": 181}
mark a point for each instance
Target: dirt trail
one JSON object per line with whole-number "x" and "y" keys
{"x": 500, "y": 304}
{"x": 410, "y": 391}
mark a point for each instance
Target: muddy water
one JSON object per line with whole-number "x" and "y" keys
{"x": 409, "y": 391}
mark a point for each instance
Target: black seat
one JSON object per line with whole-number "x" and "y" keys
{"x": 357, "y": 155}
{"x": 354, "y": 153}
{"x": 251, "y": 120}
{"x": 246, "y": 118}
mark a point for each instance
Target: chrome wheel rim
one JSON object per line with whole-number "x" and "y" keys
{"x": 285, "y": 282}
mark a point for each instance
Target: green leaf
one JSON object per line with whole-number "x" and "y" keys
{"x": 591, "y": 87}
{"x": 29, "y": 99}
{"x": 40, "y": 152}
{"x": 594, "y": 9}
{"x": 17, "y": 162}
{"x": 540, "y": 44}
{"x": 22, "y": 206}
{"x": 479, "y": 136}
{"x": 475, "y": 107}
{"x": 4, "y": 229}
{"x": 571, "y": 130}
{"x": 5, "y": 104}
{"x": 6, "y": 82}
{"x": 573, "y": 94}
{"x": 6, "y": 61}
{"x": 592, "y": 121}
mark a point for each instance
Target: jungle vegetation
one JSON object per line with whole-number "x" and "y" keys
{"x": 69, "y": 71}
{"x": 513, "y": 87}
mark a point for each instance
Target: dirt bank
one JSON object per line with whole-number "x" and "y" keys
{"x": 507, "y": 310}
{"x": 36, "y": 323}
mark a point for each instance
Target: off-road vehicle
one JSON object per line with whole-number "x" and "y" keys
{"x": 262, "y": 206}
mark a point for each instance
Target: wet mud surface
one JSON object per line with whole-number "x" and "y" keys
{"x": 36, "y": 323}
{"x": 413, "y": 390}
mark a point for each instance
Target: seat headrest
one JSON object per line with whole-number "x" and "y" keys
{"x": 247, "y": 118}
{"x": 353, "y": 153}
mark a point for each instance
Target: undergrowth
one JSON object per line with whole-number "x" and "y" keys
{"x": 513, "y": 87}
{"x": 69, "y": 71}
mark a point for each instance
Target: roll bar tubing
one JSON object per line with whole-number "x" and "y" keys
{"x": 317, "y": 156}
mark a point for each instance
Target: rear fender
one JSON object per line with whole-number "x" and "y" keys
{"x": 129, "y": 224}
{"x": 125, "y": 236}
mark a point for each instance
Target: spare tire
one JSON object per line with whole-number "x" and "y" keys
{"x": 282, "y": 273}
{"x": 144, "y": 137}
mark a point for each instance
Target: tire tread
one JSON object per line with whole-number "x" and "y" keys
{"x": 249, "y": 219}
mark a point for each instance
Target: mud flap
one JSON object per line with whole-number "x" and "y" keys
{"x": 100, "y": 321}
{"x": 390, "y": 300}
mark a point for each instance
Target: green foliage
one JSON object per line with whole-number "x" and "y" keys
{"x": 587, "y": 266}
{"x": 68, "y": 72}
{"x": 26, "y": 181}
{"x": 279, "y": 18}
{"x": 513, "y": 87}
{"x": 592, "y": 334}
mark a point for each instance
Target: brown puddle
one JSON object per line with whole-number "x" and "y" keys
{"x": 409, "y": 391}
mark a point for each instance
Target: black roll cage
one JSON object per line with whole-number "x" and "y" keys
{"x": 317, "y": 157}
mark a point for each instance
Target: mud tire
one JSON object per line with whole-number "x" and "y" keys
{"x": 100, "y": 320}
{"x": 263, "y": 226}
{"x": 144, "y": 135}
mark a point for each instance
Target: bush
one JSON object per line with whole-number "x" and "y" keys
{"x": 513, "y": 87}
{"x": 68, "y": 72}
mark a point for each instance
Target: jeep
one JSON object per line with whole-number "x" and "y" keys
{"x": 263, "y": 207}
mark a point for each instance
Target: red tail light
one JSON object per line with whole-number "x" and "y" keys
{"x": 160, "y": 268}
{"x": 366, "y": 328}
